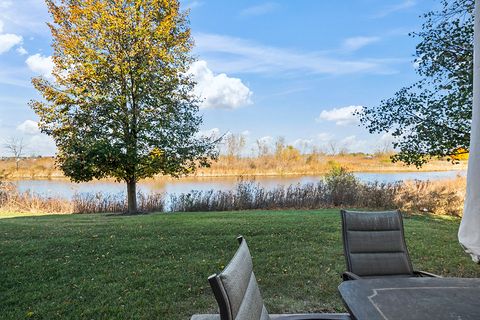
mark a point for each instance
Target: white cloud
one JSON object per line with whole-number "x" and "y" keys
{"x": 25, "y": 16}
{"x": 1, "y": 26}
{"x": 348, "y": 141}
{"x": 260, "y": 9}
{"x": 219, "y": 91}
{"x": 4, "y": 4}
{"x": 40, "y": 65}
{"x": 21, "y": 51}
{"x": 245, "y": 133}
{"x": 324, "y": 137}
{"x": 234, "y": 55}
{"x": 303, "y": 144}
{"x": 8, "y": 41}
{"x": 41, "y": 144}
{"x": 29, "y": 127}
{"x": 353, "y": 144}
{"x": 406, "y": 4}
{"x": 355, "y": 43}
{"x": 341, "y": 116}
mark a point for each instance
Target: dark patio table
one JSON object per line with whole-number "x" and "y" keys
{"x": 412, "y": 298}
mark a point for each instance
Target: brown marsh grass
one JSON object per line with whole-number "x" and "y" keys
{"x": 28, "y": 202}
{"x": 116, "y": 203}
{"x": 339, "y": 189}
{"x": 286, "y": 163}
{"x": 11, "y": 200}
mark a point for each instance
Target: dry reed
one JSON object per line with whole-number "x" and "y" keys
{"x": 116, "y": 203}
{"x": 289, "y": 162}
{"x": 29, "y": 202}
{"x": 339, "y": 188}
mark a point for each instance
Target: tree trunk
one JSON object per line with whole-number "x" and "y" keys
{"x": 132, "y": 196}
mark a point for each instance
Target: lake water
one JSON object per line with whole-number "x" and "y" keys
{"x": 66, "y": 189}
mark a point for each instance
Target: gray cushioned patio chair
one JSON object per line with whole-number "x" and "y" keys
{"x": 374, "y": 246}
{"x": 238, "y": 296}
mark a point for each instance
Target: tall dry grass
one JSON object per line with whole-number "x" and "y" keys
{"x": 443, "y": 197}
{"x": 116, "y": 203}
{"x": 11, "y": 200}
{"x": 339, "y": 189}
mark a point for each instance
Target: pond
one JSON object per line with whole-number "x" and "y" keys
{"x": 66, "y": 189}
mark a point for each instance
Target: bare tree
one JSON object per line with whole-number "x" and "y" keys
{"x": 279, "y": 145}
{"x": 263, "y": 147}
{"x": 333, "y": 147}
{"x": 16, "y": 147}
{"x": 234, "y": 144}
{"x": 385, "y": 146}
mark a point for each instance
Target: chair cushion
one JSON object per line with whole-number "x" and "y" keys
{"x": 374, "y": 243}
{"x": 239, "y": 288}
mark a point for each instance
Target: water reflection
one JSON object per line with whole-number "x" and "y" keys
{"x": 66, "y": 189}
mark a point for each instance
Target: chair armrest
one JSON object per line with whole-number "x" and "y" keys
{"x": 347, "y": 275}
{"x": 312, "y": 316}
{"x": 426, "y": 274}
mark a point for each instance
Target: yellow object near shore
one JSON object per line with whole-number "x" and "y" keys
{"x": 460, "y": 154}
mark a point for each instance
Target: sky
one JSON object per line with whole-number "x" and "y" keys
{"x": 265, "y": 69}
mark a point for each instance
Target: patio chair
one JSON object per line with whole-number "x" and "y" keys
{"x": 374, "y": 246}
{"x": 238, "y": 296}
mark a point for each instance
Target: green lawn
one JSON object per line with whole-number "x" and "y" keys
{"x": 156, "y": 266}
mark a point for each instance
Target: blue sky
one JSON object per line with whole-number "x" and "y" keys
{"x": 295, "y": 69}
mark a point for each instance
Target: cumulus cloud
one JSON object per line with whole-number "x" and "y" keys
{"x": 40, "y": 64}
{"x": 8, "y": 41}
{"x": 41, "y": 144}
{"x": 324, "y": 137}
{"x": 219, "y": 91}
{"x": 348, "y": 141}
{"x": 245, "y": 133}
{"x": 21, "y": 51}
{"x": 303, "y": 144}
{"x": 353, "y": 144}
{"x": 341, "y": 116}
{"x": 29, "y": 127}
{"x": 355, "y": 43}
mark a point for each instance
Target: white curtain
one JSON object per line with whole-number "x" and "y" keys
{"x": 469, "y": 233}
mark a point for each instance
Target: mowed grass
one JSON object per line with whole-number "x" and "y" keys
{"x": 156, "y": 266}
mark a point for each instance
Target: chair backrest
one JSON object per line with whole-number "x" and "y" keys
{"x": 374, "y": 244}
{"x": 236, "y": 289}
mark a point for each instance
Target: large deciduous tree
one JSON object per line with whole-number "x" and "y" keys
{"x": 121, "y": 102}
{"x": 432, "y": 117}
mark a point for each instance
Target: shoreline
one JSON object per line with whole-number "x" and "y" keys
{"x": 240, "y": 175}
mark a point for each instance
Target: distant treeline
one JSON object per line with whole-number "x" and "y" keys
{"x": 282, "y": 161}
